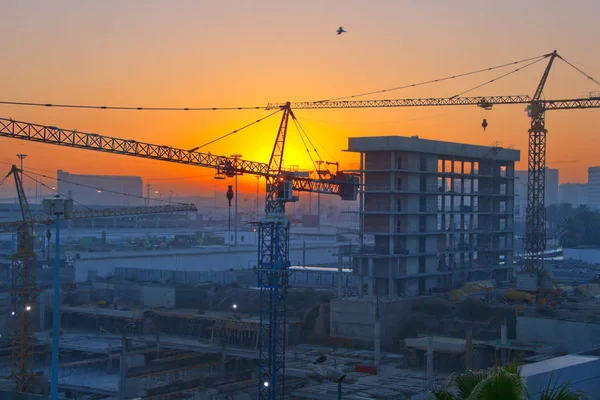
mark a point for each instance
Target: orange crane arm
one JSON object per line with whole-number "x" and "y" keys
{"x": 341, "y": 184}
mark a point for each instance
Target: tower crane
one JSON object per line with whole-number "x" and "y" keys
{"x": 23, "y": 273}
{"x": 535, "y": 238}
{"x": 273, "y": 243}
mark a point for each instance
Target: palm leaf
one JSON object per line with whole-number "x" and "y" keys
{"x": 563, "y": 391}
{"x": 442, "y": 394}
{"x": 499, "y": 385}
{"x": 467, "y": 382}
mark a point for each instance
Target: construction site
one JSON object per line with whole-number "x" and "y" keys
{"x": 145, "y": 302}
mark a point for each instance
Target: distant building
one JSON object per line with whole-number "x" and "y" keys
{"x": 116, "y": 191}
{"x": 573, "y": 193}
{"x": 551, "y": 191}
{"x": 593, "y": 186}
{"x": 551, "y": 186}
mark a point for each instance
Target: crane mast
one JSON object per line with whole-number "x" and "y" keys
{"x": 535, "y": 225}
{"x": 273, "y": 272}
{"x": 23, "y": 294}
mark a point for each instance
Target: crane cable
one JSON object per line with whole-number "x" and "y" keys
{"x": 302, "y": 131}
{"x": 580, "y": 71}
{"x": 496, "y": 79}
{"x": 97, "y": 189}
{"x": 296, "y": 123}
{"x": 434, "y": 80}
{"x": 233, "y": 132}
{"x": 126, "y": 108}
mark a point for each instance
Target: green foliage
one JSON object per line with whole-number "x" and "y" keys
{"x": 564, "y": 391}
{"x": 576, "y": 226}
{"x": 500, "y": 384}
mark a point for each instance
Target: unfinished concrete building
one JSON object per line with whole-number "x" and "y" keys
{"x": 440, "y": 213}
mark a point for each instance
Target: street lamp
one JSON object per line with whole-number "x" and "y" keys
{"x": 234, "y": 306}
{"x": 56, "y": 207}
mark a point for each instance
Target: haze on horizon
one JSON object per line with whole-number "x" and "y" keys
{"x": 235, "y": 53}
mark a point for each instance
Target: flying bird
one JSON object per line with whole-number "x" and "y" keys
{"x": 340, "y": 30}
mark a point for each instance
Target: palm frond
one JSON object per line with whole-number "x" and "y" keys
{"x": 563, "y": 391}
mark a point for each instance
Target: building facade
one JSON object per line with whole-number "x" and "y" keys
{"x": 439, "y": 213}
{"x": 573, "y": 193}
{"x": 116, "y": 191}
{"x": 593, "y": 186}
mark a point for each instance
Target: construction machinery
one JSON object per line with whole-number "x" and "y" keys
{"x": 535, "y": 239}
{"x": 273, "y": 230}
{"x": 23, "y": 273}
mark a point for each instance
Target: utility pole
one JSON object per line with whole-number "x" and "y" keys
{"x": 235, "y": 218}
{"x": 56, "y": 207}
{"x": 147, "y": 194}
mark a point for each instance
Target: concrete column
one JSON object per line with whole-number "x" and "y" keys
{"x": 371, "y": 280}
{"x": 361, "y": 203}
{"x": 469, "y": 351}
{"x": 391, "y": 282}
{"x": 362, "y": 285}
{"x": 377, "y": 338}
{"x": 42, "y": 310}
{"x": 430, "y": 363}
{"x": 340, "y": 277}
{"x": 503, "y": 340}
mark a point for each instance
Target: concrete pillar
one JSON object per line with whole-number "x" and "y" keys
{"x": 469, "y": 351}
{"x": 504, "y": 341}
{"x": 361, "y": 202}
{"x": 371, "y": 280}
{"x": 42, "y": 310}
{"x": 430, "y": 363}
{"x": 340, "y": 277}
{"x": 377, "y": 338}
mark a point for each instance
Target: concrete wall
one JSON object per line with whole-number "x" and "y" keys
{"x": 571, "y": 336}
{"x": 193, "y": 260}
{"x": 583, "y": 372}
{"x": 589, "y": 255}
{"x": 354, "y": 318}
{"x": 157, "y": 296}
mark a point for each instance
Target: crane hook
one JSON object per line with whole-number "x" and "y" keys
{"x": 484, "y": 124}
{"x": 229, "y": 194}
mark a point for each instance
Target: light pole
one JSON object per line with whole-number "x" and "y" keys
{"x": 235, "y": 222}
{"x": 56, "y": 207}
{"x": 257, "y": 199}
{"x": 123, "y": 361}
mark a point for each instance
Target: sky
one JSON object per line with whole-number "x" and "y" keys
{"x": 248, "y": 53}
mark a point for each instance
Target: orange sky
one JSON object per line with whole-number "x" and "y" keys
{"x": 235, "y": 53}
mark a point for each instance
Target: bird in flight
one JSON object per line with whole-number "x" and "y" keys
{"x": 340, "y": 30}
